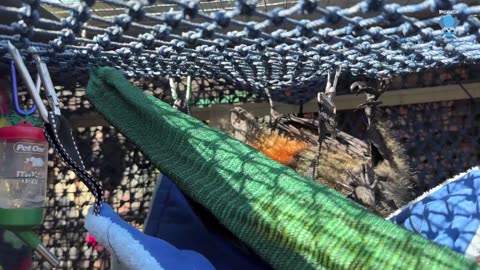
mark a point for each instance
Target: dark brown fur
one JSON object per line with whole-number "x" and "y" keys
{"x": 344, "y": 161}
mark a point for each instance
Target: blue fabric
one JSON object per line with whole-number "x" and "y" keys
{"x": 449, "y": 215}
{"x": 172, "y": 219}
{"x": 166, "y": 254}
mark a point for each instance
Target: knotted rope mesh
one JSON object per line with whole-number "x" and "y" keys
{"x": 274, "y": 45}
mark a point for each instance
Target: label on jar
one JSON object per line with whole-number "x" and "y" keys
{"x": 23, "y": 173}
{"x": 24, "y": 160}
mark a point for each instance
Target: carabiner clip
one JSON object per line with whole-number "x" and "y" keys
{"x": 15, "y": 92}
{"x": 43, "y": 76}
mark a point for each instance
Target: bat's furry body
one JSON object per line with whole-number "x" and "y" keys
{"x": 344, "y": 161}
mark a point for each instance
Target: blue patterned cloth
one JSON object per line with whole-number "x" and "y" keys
{"x": 448, "y": 214}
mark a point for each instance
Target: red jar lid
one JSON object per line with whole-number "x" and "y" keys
{"x": 22, "y": 131}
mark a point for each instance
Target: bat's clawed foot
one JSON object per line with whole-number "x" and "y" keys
{"x": 370, "y": 87}
{"x": 371, "y": 103}
{"x": 331, "y": 87}
{"x": 358, "y": 87}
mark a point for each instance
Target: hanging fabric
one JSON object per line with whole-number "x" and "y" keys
{"x": 283, "y": 216}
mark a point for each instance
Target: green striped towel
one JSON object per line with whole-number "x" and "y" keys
{"x": 288, "y": 219}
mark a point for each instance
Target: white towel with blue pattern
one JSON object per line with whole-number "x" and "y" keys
{"x": 449, "y": 214}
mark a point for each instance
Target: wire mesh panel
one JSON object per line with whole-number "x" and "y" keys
{"x": 128, "y": 179}
{"x": 441, "y": 139}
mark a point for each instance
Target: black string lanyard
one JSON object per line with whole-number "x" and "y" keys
{"x": 59, "y": 135}
{"x": 56, "y": 127}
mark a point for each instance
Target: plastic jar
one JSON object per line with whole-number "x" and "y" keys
{"x": 23, "y": 166}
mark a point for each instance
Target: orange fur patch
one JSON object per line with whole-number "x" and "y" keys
{"x": 280, "y": 148}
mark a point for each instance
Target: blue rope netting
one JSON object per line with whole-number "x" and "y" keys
{"x": 371, "y": 38}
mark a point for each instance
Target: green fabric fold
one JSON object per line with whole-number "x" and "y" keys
{"x": 288, "y": 219}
